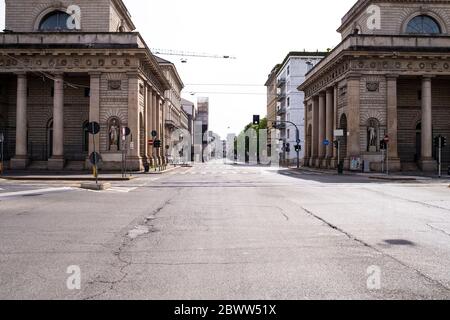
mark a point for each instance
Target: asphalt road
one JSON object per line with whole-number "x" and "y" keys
{"x": 227, "y": 232}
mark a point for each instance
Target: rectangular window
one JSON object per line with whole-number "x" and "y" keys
{"x": 288, "y": 102}
{"x": 288, "y": 133}
{"x": 288, "y": 70}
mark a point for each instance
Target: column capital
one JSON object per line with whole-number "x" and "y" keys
{"x": 58, "y": 74}
{"x": 21, "y": 74}
{"x": 330, "y": 89}
{"x": 392, "y": 76}
{"x": 95, "y": 74}
{"x": 427, "y": 77}
{"x": 322, "y": 94}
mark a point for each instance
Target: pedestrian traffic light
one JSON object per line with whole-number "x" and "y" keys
{"x": 256, "y": 120}
{"x": 336, "y": 144}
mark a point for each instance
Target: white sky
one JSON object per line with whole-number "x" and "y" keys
{"x": 258, "y": 32}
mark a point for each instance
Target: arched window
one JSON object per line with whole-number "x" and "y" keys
{"x": 54, "y": 21}
{"x": 423, "y": 24}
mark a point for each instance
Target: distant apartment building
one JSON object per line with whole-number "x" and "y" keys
{"x": 290, "y": 102}
{"x": 203, "y": 118}
{"x": 191, "y": 111}
{"x": 271, "y": 85}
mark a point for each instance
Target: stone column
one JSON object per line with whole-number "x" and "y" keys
{"x": 134, "y": 160}
{"x": 427, "y": 162}
{"x": 94, "y": 112}
{"x": 146, "y": 127}
{"x": 335, "y": 123}
{"x": 20, "y": 160}
{"x": 315, "y": 131}
{"x": 150, "y": 127}
{"x": 56, "y": 162}
{"x": 353, "y": 110}
{"x": 155, "y": 124}
{"x": 392, "y": 123}
{"x": 306, "y": 154}
{"x": 163, "y": 131}
{"x": 329, "y": 125}
{"x": 322, "y": 129}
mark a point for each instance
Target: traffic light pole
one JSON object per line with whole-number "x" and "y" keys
{"x": 297, "y": 132}
{"x": 440, "y": 157}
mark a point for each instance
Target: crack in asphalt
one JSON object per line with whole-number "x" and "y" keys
{"x": 438, "y": 229}
{"x": 126, "y": 243}
{"x": 367, "y": 245}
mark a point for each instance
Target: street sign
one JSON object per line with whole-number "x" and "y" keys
{"x": 386, "y": 139}
{"x": 126, "y": 131}
{"x": 93, "y": 127}
{"x": 154, "y": 133}
{"x": 339, "y": 133}
{"x": 326, "y": 143}
{"x": 150, "y": 142}
{"x": 95, "y": 158}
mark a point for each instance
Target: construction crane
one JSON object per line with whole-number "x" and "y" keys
{"x": 189, "y": 54}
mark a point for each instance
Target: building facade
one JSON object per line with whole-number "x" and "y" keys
{"x": 173, "y": 112}
{"x": 271, "y": 85}
{"x": 64, "y": 64}
{"x": 290, "y": 107}
{"x": 387, "y": 80}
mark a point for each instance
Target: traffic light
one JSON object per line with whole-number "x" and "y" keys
{"x": 256, "y": 120}
{"x": 443, "y": 142}
{"x": 298, "y": 148}
{"x": 157, "y": 144}
{"x": 440, "y": 142}
{"x": 336, "y": 144}
{"x": 436, "y": 142}
{"x": 288, "y": 147}
{"x": 383, "y": 145}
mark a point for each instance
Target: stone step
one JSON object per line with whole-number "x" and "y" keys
{"x": 410, "y": 167}
{"x": 75, "y": 166}
{"x": 37, "y": 165}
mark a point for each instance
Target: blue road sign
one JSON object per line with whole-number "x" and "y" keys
{"x": 326, "y": 142}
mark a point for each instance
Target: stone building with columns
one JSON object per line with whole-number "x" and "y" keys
{"x": 67, "y": 63}
{"x": 389, "y": 77}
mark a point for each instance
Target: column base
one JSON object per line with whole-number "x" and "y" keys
{"x": 55, "y": 163}
{"x": 19, "y": 163}
{"x": 135, "y": 164}
{"x": 395, "y": 165}
{"x": 333, "y": 163}
{"x": 318, "y": 163}
{"x": 428, "y": 165}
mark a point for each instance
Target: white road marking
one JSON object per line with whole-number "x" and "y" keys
{"x": 121, "y": 189}
{"x": 33, "y": 192}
